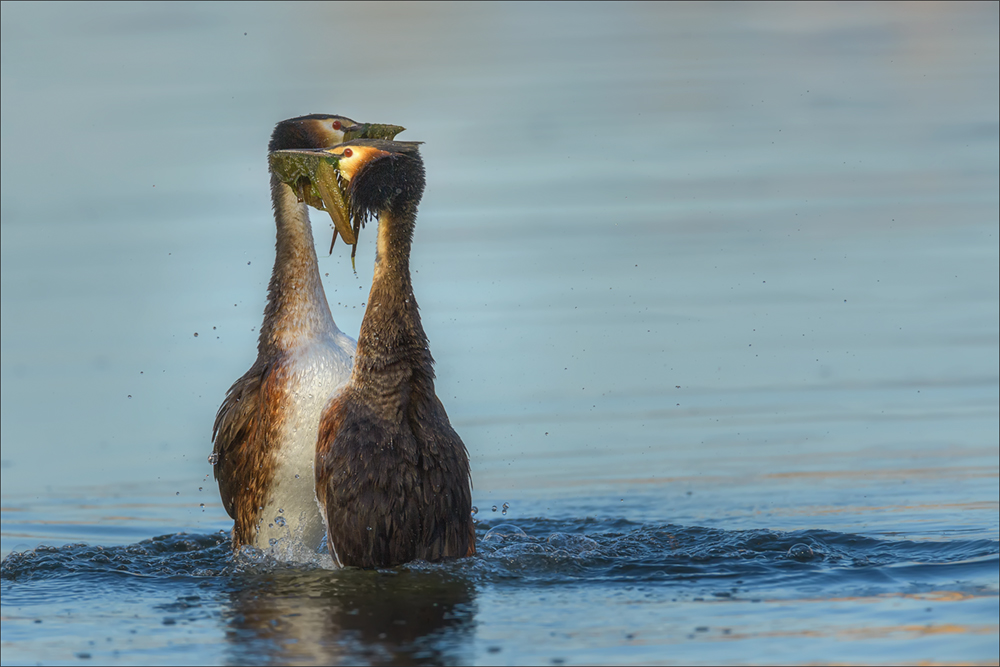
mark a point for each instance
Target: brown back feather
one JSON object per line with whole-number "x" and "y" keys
{"x": 244, "y": 464}
{"x": 393, "y": 492}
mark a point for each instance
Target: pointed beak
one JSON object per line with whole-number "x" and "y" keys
{"x": 372, "y": 131}
{"x": 313, "y": 175}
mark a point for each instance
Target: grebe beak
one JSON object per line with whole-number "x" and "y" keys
{"x": 372, "y": 131}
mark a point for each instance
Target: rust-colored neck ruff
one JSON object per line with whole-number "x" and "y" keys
{"x": 296, "y": 303}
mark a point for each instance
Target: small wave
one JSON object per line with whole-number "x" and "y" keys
{"x": 627, "y": 543}
{"x": 164, "y": 556}
{"x": 542, "y": 551}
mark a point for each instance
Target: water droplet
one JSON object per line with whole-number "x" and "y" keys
{"x": 572, "y": 544}
{"x": 202, "y": 506}
{"x": 130, "y": 395}
{"x": 506, "y": 506}
{"x": 503, "y": 532}
{"x": 281, "y": 510}
{"x": 195, "y": 334}
{"x": 178, "y": 493}
{"x": 296, "y": 476}
{"x": 272, "y": 541}
{"x": 494, "y": 508}
{"x": 280, "y": 521}
{"x": 475, "y": 510}
{"x": 801, "y": 552}
{"x": 213, "y": 459}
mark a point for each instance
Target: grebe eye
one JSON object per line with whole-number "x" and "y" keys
{"x": 348, "y": 152}
{"x": 336, "y": 124}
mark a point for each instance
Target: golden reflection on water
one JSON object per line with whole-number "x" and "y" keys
{"x": 865, "y": 475}
{"x": 811, "y": 510}
{"x": 861, "y": 634}
{"x": 961, "y": 472}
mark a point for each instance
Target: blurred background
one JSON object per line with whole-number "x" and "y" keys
{"x": 712, "y": 289}
{"x": 744, "y": 251}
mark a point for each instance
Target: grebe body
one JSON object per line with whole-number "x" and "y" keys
{"x": 392, "y": 475}
{"x": 266, "y": 430}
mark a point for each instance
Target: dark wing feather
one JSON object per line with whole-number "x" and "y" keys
{"x": 393, "y": 492}
{"x": 236, "y": 426}
{"x": 362, "y": 494}
{"x": 447, "y": 489}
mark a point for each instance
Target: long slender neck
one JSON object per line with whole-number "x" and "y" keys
{"x": 391, "y": 332}
{"x": 296, "y": 302}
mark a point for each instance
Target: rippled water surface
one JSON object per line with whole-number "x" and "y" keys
{"x": 712, "y": 289}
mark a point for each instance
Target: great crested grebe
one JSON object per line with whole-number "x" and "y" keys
{"x": 392, "y": 476}
{"x": 265, "y": 431}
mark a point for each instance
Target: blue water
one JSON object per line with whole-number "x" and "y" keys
{"x": 713, "y": 291}
{"x": 540, "y": 591}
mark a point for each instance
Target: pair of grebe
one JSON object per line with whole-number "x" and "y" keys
{"x": 324, "y": 437}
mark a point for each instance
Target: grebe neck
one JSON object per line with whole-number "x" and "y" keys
{"x": 391, "y": 332}
{"x": 296, "y": 302}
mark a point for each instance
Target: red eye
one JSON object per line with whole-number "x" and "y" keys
{"x": 348, "y": 152}
{"x": 336, "y": 124}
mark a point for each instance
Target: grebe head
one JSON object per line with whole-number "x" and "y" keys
{"x": 320, "y": 130}
{"x": 376, "y": 175}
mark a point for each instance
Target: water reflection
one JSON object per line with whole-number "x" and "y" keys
{"x": 391, "y": 617}
{"x": 612, "y": 581}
